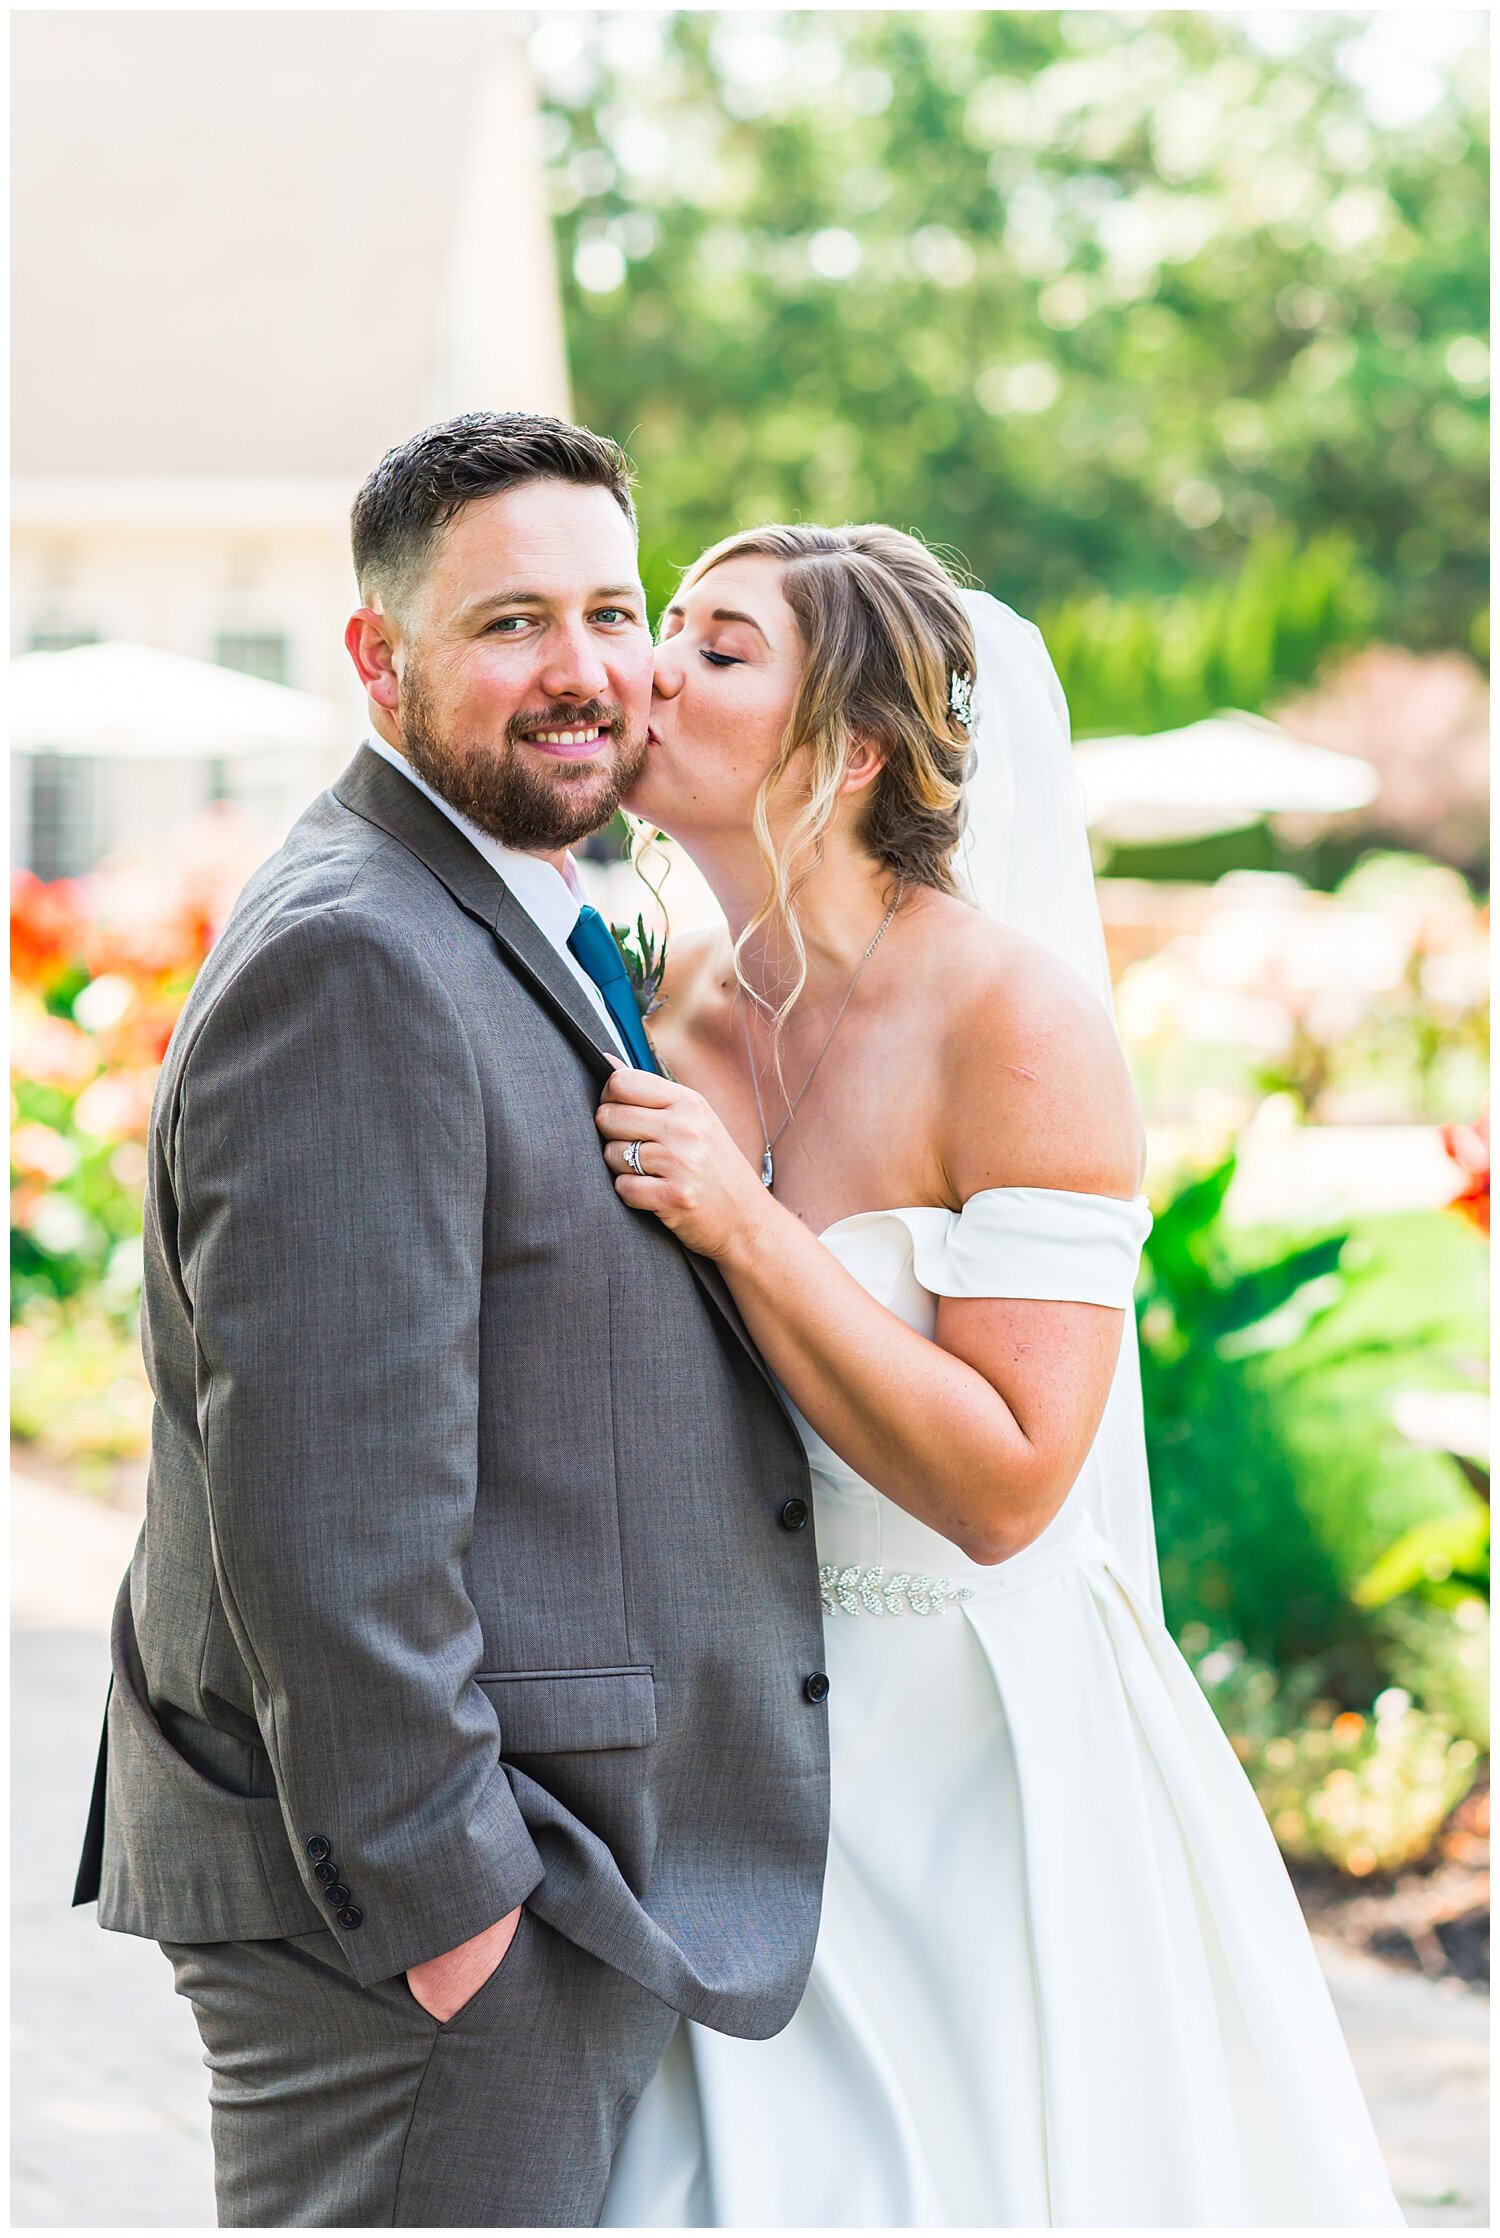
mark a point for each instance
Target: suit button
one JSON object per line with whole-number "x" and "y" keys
{"x": 794, "y": 1515}
{"x": 815, "y": 1686}
{"x": 351, "y": 1916}
{"x": 327, "y": 1872}
{"x": 319, "y": 1848}
{"x": 336, "y": 1895}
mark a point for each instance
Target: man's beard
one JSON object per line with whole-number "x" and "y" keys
{"x": 519, "y": 806}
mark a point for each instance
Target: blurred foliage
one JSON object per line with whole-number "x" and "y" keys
{"x": 1416, "y": 1317}
{"x": 1114, "y": 305}
{"x": 78, "y": 1387}
{"x": 1445, "y": 1557}
{"x": 1279, "y": 1478}
{"x": 1365, "y": 1793}
{"x": 1327, "y": 1579}
{"x": 1365, "y": 1006}
{"x": 100, "y": 969}
{"x": 1239, "y": 1552}
{"x": 93, "y": 1004}
{"x": 1441, "y": 1656}
{"x": 1143, "y": 663}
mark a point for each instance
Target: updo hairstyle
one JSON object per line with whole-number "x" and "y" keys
{"x": 885, "y": 635}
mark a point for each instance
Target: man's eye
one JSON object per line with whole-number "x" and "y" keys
{"x": 722, "y": 660}
{"x": 614, "y": 614}
{"x": 509, "y": 623}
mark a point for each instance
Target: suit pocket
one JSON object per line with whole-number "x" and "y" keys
{"x": 553, "y": 1712}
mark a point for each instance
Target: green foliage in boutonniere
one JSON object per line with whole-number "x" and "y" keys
{"x": 645, "y": 960}
{"x": 645, "y": 955}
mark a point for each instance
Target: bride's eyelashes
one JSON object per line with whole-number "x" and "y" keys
{"x": 721, "y": 660}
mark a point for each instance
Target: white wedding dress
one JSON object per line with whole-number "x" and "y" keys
{"x": 1061, "y": 1977}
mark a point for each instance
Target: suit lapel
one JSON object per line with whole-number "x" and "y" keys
{"x": 528, "y": 948}
{"x": 372, "y": 789}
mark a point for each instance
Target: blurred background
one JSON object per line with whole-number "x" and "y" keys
{"x": 1172, "y": 328}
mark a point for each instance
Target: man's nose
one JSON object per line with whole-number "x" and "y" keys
{"x": 574, "y": 667}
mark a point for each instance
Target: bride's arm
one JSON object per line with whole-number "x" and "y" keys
{"x": 980, "y": 1433}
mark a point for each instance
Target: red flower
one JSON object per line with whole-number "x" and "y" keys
{"x": 1469, "y": 1148}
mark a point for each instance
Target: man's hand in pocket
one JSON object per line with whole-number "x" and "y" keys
{"x": 443, "y": 1986}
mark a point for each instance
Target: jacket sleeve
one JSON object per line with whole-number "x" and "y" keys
{"x": 330, "y": 1158}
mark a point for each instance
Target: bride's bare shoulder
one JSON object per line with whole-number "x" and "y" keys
{"x": 691, "y": 988}
{"x": 694, "y": 963}
{"x": 1037, "y": 1091}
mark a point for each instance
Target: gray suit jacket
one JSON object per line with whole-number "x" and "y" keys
{"x": 471, "y": 1566}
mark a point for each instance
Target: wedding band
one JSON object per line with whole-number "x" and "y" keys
{"x": 633, "y": 1158}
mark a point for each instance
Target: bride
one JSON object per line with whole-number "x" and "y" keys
{"x": 1061, "y": 1977}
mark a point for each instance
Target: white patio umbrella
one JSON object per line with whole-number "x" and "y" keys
{"x": 135, "y": 702}
{"x": 1217, "y": 775}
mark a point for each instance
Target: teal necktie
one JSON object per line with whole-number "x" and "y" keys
{"x": 592, "y": 942}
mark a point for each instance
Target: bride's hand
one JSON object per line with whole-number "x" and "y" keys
{"x": 693, "y": 1176}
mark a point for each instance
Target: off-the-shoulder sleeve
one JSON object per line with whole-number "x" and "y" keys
{"x": 1058, "y": 1244}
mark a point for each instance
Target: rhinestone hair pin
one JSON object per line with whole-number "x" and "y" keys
{"x": 961, "y": 699}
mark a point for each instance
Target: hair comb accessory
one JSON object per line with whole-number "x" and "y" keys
{"x": 961, "y": 699}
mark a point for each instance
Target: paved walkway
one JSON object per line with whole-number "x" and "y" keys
{"x": 110, "y": 2115}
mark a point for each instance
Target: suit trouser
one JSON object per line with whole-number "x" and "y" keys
{"x": 341, "y": 2106}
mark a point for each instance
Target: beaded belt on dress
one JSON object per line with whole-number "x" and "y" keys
{"x": 856, "y": 1589}
{"x": 850, "y": 1589}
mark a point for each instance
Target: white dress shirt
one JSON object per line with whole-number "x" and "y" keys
{"x": 551, "y": 900}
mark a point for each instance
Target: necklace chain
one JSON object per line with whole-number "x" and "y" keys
{"x": 769, "y": 1140}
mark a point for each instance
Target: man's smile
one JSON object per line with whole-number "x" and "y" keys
{"x": 569, "y": 745}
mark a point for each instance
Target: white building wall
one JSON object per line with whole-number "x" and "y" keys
{"x": 253, "y": 249}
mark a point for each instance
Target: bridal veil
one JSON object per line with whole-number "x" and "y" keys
{"x": 1025, "y": 860}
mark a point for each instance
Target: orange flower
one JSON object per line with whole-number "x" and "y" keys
{"x": 1469, "y": 1148}
{"x": 47, "y": 929}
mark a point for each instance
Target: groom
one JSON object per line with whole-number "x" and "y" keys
{"x": 465, "y": 1722}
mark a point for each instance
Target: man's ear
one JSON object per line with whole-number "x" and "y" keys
{"x": 371, "y": 639}
{"x": 865, "y": 763}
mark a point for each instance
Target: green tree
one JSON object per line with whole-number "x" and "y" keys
{"x": 1098, "y": 301}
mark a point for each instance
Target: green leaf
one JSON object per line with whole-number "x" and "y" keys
{"x": 1278, "y": 1330}
{"x": 1263, "y": 1291}
{"x": 1431, "y": 1552}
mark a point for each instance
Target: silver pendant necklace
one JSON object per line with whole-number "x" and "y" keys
{"x": 768, "y": 1159}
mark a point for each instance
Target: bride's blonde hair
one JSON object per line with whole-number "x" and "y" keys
{"x": 885, "y": 636}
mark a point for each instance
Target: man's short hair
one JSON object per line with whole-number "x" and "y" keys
{"x": 417, "y": 488}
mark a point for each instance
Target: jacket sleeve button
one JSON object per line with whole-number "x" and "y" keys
{"x": 319, "y": 1847}
{"x": 815, "y": 1686}
{"x": 336, "y": 1896}
{"x": 351, "y": 1916}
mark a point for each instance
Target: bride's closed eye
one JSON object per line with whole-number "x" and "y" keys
{"x": 721, "y": 660}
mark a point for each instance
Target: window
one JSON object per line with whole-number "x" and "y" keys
{"x": 261, "y": 653}
{"x": 64, "y": 814}
{"x": 63, "y": 835}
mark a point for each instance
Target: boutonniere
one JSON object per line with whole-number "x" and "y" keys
{"x": 644, "y": 953}
{"x": 645, "y": 959}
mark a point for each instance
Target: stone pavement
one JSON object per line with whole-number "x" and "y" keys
{"x": 110, "y": 2112}
{"x": 109, "y": 2098}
